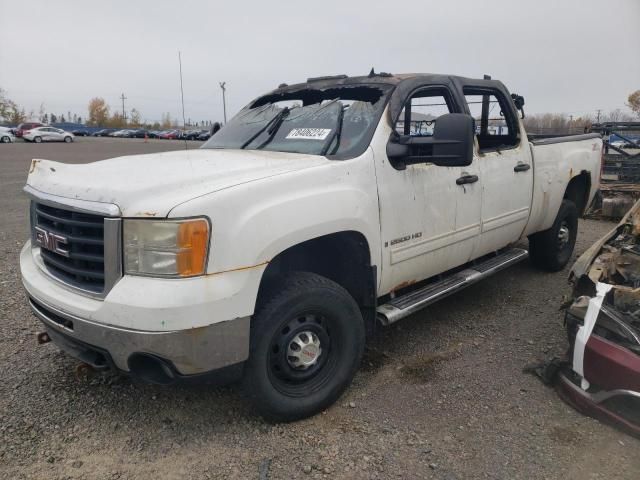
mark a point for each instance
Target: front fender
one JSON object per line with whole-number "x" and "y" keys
{"x": 252, "y": 223}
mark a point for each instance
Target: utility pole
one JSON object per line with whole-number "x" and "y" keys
{"x": 598, "y": 118}
{"x": 224, "y": 100}
{"x": 124, "y": 115}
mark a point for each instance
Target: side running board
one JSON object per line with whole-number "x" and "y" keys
{"x": 411, "y": 302}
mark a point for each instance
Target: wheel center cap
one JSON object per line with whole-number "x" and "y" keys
{"x": 309, "y": 354}
{"x": 304, "y": 350}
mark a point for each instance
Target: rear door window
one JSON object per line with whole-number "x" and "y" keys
{"x": 496, "y": 125}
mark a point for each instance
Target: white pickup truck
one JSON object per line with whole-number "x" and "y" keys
{"x": 319, "y": 211}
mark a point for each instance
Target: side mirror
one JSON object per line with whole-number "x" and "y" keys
{"x": 450, "y": 146}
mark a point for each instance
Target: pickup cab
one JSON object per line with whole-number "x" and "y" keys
{"x": 321, "y": 211}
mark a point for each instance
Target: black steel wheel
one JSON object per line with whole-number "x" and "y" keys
{"x": 551, "y": 249}
{"x": 307, "y": 341}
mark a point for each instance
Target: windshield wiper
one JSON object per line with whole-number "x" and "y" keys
{"x": 336, "y": 134}
{"x": 271, "y": 127}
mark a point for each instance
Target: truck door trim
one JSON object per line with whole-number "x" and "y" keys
{"x": 407, "y": 252}
{"x": 505, "y": 219}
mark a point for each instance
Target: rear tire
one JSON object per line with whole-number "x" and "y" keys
{"x": 307, "y": 340}
{"x": 37, "y": 139}
{"x": 6, "y": 140}
{"x": 551, "y": 250}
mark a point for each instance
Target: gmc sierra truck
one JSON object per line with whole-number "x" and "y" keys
{"x": 319, "y": 212}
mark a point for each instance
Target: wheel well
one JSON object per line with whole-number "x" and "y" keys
{"x": 343, "y": 257}
{"x": 578, "y": 191}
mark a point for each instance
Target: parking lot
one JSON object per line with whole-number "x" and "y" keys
{"x": 439, "y": 395}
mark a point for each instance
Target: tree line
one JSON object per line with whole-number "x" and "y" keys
{"x": 101, "y": 115}
{"x": 555, "y": 123}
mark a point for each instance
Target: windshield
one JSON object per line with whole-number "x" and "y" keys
{"x": 334, "y": 121}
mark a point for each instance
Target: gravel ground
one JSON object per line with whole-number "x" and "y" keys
{"x": 440, "y": 395}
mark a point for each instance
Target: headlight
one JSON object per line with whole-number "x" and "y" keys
{"x": 165, "y": 248}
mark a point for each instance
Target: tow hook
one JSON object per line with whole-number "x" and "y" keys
{"x": 42, "y": 337}
{"x": 84, "y": 371}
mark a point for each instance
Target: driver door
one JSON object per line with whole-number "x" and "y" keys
{"x": 430, "y": 222}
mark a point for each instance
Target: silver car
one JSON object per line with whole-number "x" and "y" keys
{"x": 6, "y": 136}
{"x": 48, "y": 134}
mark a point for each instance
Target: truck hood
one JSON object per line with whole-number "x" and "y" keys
{"x": 152, "y": 184}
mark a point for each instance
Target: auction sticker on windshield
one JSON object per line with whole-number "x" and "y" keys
{"x": 309, "y": 133}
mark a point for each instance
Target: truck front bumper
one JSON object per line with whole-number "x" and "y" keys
{"x": 156, "y": 356}
{"x": 192, "y": 336}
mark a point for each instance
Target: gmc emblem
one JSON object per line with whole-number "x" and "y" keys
{"x": 51, "y": 241}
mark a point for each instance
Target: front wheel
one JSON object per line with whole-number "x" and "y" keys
{"x": 307, "y": 340}
{"x": 68, "y": 139}
{"x": 6, "y": 139}
{"x": 37, "y": 139}
{"x": 551, "y": 250}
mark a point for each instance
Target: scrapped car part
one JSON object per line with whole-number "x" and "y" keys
{"x": 601, "y": 376}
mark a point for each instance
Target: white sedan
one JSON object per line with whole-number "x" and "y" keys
{"x": 6, "y": 136}
{"x": 47, "y": 134}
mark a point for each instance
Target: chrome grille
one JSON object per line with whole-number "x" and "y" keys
{"x": 81, "y": 262}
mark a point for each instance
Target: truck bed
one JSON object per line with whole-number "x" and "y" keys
{"x": 542, "y": 139}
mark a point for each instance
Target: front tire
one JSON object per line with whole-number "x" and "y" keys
{"x": 551, "y": 250}
{"x": 68, "y": 139}
{"x": 6, "y": 139}
{"x": 37, "y": 139}
{"x": 307, "y": 340}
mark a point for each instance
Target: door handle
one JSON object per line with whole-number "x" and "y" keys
{"x": 521, "y": 167}
{"x": 464, "y": 179}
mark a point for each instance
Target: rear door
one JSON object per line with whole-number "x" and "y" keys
{"x": 505, "y": 164}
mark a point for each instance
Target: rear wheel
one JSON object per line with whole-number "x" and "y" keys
{"x": 307, "y": 341}
{"x": 551, "y": 250}
{"x": 6, "y": 139}
{"x": 68, "y": 139}
{"x": 37, "y": 139}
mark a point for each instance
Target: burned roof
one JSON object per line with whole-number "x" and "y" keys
{"x": 403, "y": 79}
{"x": 401, "y": 84}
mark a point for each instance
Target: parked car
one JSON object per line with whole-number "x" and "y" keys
{"x": 170, "y": 135}
{"x": 138, "y": 133}
{"x": 26, "y": 126}
{"x": 6, "y": 135}
{"x": 47, "y": 134}
{"x": 268, "y": 253}
{"x": 191, "y": 134}
{"x": 204, "y": 135}
{"x": 104, "y": 132}
{"x": 80, "y": 132}
{"x": 120, "y": 133}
